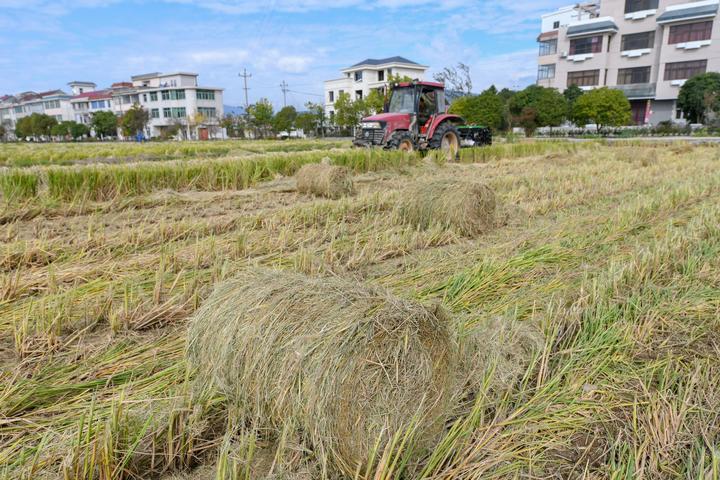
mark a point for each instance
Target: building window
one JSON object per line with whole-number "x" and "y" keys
{"x": 153, "y": 96}
{"x": 638, "y": 41}
{"x": 98, "y": 104}
{"x": 684, "y": 70}
{"x": 628, "y": 76}
{"x": 381, "y": 76}
{"x": 167, "y": 112}
{"x": 52, "y": 104}
{"x": 546, "y": 71}
{"x": 358, "y": 76}
{"x": 585, "y": 78}
{"x": 207, "y": 112}
{"x": 178, "y": 112}
{"x": 145, "y": 97}
{"x": 331, "y": 97}
{"x": 690, "y": 32}
{"x": 556, "y": 25}
{"x": 165, "y": 94}
{"x": 580, "y": 46}
{"x": 155, "y": 113}
{"x": 18, "y": 109}
{"x": 205, "y": 95}
{"x": 548, "y": 47}
{"x": 358, "y": 94}
{"x": 640, "y": 5}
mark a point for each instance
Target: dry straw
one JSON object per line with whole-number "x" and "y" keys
{"x": 324, "y": 180}
{"x": 345, "y": 364}
{"x": 466, "y": 207}
{"x": 495, "y": 355}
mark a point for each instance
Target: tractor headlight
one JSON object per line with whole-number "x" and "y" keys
{"x": 371, "y": 125}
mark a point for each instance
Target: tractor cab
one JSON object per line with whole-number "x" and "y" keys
{"x": 421, "y": 99}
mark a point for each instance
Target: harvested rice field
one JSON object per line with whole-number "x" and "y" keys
{"x": 535, "y": 310}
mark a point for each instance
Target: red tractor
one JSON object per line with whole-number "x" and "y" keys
{"x": 416, "y": 118}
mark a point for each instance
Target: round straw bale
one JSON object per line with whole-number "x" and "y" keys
{"x": 494, "y": 355}
{"x": 324, "y": 180}
{"x": 346, "y": 365}
{"x": 467, "y": 207}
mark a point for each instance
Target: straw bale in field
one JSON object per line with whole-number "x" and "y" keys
{"x": 494, "y": 355}
{"x": 468, "y": 207}
{"x": 324, "y": 180}
{"x": 344, "y": 364}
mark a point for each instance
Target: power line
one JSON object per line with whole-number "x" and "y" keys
{"x": 307, "y": 93}
{"x": 245, "y": 77}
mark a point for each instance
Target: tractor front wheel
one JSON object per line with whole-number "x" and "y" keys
{"x": 447, "y": 139}
{"x": 402, "y": 141}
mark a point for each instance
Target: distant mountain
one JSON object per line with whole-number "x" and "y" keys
{"x": 230, "y": 110}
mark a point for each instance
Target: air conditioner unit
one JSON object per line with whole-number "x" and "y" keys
{"x": 563, "y": 54}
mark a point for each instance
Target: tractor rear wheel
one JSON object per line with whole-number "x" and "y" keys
{"x": 402, "y": 141}
{"x": 447, "y": 139}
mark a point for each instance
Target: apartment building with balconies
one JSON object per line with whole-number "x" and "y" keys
{"x": 370, "y": 74}
{"x": 646, "y": 48}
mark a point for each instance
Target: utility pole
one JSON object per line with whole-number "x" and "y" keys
{"x": 245, "y": 77}
{"x": 284, "y": 88}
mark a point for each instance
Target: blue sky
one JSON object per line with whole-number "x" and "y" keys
{"x": 47, "y": 43}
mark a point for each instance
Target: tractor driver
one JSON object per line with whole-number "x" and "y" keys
{"x": 426, "y": 106}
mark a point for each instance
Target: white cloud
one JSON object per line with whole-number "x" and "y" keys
{"x": 218, "y": 57}
{"x": 293, "y": 64}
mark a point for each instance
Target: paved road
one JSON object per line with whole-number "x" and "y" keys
{"x": 693, "y": 140}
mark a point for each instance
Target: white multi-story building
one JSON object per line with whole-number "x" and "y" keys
{"x": 176, "y": 99}
{"x": 172, "y": 101}
{"x": 370, "y": 74}
{"x": 646, "y": 48}
{"x": 55, "y": 103}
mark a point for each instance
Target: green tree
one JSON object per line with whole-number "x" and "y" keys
{"x": 105, "y": 124}
{"x": 42, "y": 124}
{"x": 261, "y": 116}
{"x": 506, "y": 94}
{"x": 347, "y": 112}
{"x": 700, "y": 96}
{"x": 604, "y": 107}
{"x": 397, "y": 78}
{"x": 484, "y": 109}
{"x": 3, "y": 132}
{"x": 62, "y": 129}
{"x": 37, "y": 125}
{"x": 133, "y": 121}
{"x": 373, "y": 104}
{"x": 549, "y": 105}
{"x": 284, "y": 120}
{"x": 233, "y": 125}
{"x": 306, "y": 121}
{"x": 78, "y": 130}
{"x": 527, "y": 119}
{"x": 23, "y": 128}
{"x": 318, "y": 111}
{"x": 571, "y": 94}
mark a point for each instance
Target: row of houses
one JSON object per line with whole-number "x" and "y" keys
{"x": 171, "y": 100}
{"x": 646, "y": 48}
